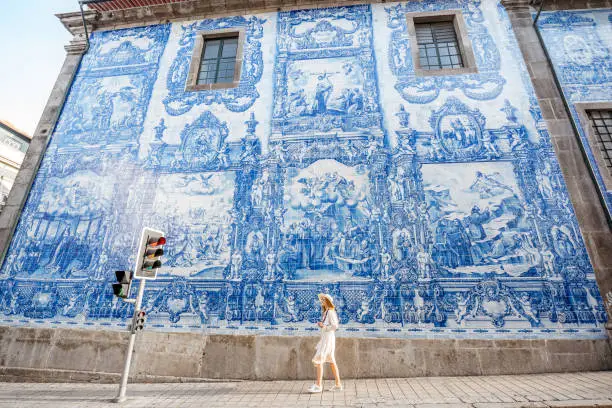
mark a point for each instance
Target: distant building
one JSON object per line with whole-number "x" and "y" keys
{"x": 13, "y": 146}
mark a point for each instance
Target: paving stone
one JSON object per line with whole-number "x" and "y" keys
{"x": 510, "y": 405}
{"x": 417, "y": 392}
{"x": 580, "y": 403}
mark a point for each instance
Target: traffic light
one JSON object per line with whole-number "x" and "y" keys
{"x": 122, "y": 287}
{"x": 150, "y": 251}
{"x": 139, "y": 321}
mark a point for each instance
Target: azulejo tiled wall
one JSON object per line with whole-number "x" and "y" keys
{"x": 578, "y": 44}
{"x": 426, "y": 206}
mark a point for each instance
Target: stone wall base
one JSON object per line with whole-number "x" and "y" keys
{"x": 32, "y": 354}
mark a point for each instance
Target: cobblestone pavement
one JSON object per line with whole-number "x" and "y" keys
{"x": 538, "y": 390}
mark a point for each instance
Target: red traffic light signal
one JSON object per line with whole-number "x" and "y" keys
{"x": 155, "y": 242}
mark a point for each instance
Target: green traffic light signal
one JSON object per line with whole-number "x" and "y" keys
{"x": 121, "y": 290}
{"x": 150, "y": 265}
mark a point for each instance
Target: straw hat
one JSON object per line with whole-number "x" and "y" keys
{"x": 328, "y": 298}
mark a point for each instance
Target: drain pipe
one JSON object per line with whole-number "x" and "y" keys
{"x": 600, "y": 193}
{"x": 86, "y": 2}
{"x": 85, "y": 27}
{"x": 535, "y": 21}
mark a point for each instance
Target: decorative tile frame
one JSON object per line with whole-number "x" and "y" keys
{"x": 238, "y": 99}
{"x": 196, "y": 59}
{"x": 296, "y": 52}
{"x": 591, "y": 136}
{"x": 486, "y": 85}
{"x": 463, "y": 40}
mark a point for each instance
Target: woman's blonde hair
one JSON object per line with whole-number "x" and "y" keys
{"x": 326, "y": 304}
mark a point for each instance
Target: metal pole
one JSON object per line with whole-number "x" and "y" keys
{"x": 128, "y": 358}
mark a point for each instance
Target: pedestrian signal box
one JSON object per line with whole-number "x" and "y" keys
{"x": 138, "y": 321}
{"x": 122, "y": 287}
{"x": 150, "y": 252}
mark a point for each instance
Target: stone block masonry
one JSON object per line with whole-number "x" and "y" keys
{"x": 88, "y": 355}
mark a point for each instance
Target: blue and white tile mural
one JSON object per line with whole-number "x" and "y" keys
{"x": 426, "y": 206}
{"x": 577, "y": 42}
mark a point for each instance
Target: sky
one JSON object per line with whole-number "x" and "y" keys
{"x": 32, "y": 49}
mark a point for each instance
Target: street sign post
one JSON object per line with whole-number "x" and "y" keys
{"x": 148, "y": 262}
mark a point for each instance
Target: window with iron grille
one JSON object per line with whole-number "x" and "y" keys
{"x": 218, "y": 60}
{"x": 601, "y": 121}
{"x": 440, "y": 43}
{"x": 438, "y": 46}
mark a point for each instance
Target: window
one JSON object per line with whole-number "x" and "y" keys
{"x": 438, "y": 46}
{"x": 601, "y": 121}
{"x": 596, "y": 121}
{"x": 439, "y": 43}
{"x": 216, "y": 60}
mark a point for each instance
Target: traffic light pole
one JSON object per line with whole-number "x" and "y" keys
{"x": 128, "y": 357}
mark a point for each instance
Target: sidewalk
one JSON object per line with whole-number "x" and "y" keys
{"x": 538, "y": 390}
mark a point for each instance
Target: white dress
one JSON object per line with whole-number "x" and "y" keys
{"x": 326, "y": 348}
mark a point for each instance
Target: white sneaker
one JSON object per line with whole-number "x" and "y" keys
{"x": 314, "y": 388}
{"x": 336, "y": 388}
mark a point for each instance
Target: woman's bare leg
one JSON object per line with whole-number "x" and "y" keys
{"x": 334, "y": 368}
{"x": 319, "y": 368}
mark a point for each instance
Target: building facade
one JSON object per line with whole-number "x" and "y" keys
{"x": 577, "y": 42}
{"x": 13, "y": 146}
{"x": 334, "y": 157}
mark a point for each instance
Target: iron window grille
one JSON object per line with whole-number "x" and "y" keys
{"x": 601, "y": 120}
{"x": 218, "y": 60}
{"x": 438, "y": 45}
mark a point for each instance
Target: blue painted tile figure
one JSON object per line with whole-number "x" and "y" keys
{"x": 429, "y": 207}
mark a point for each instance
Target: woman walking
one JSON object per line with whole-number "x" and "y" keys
{"x": 326, "y": 348}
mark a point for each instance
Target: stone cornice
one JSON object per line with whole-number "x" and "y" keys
{"x": 190, "y": 10}
{"x": 74, "y": 23}
{"x": 515, "y": 4}
{"x": 200, "y": 9}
